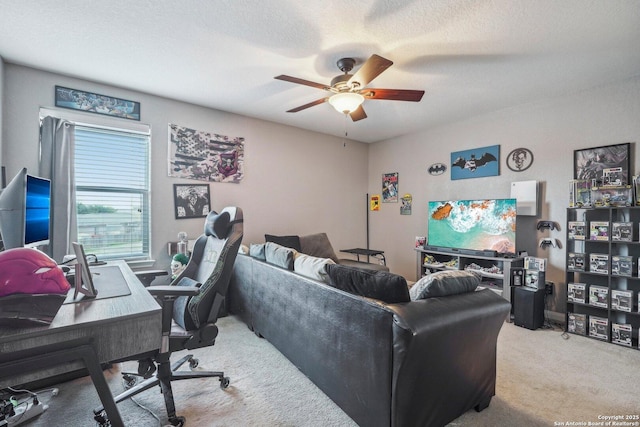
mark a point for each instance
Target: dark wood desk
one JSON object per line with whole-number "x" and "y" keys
{"x": 84, "y": 334}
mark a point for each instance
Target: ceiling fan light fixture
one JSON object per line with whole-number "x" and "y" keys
{"x": 346, "y": 102}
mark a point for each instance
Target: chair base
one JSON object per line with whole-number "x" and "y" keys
{"x": 166, "y": 373}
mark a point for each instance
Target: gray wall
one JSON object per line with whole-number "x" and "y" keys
{"x": 551, "y": 130}
{"x": 296, "y": 182}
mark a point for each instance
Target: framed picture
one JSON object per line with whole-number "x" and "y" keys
{"x": 96, "y": 103}
{"x": 475, "y": 163}
{"x": 590, "y": 163}
{"x": 191, "y": 201}
{"x": 390, "y": 187}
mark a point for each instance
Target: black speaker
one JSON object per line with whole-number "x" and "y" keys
{"x": 528, "y": 307}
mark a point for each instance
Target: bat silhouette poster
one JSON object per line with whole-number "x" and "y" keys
{"x": 475, "y": 163}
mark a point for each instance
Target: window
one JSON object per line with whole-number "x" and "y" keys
{"x": 112, "y": 192}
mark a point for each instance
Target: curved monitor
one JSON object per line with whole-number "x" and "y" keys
{"x": 25, "y": 211}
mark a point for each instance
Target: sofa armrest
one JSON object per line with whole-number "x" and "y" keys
{"x": 445, "y": 356}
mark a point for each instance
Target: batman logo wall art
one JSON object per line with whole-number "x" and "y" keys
{"x": 437, "y": 169}
{"x": 474, "y": 163}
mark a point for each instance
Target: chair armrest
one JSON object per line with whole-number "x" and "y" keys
{"x": 173, "y": 291}
{"x": 148, "y": 276}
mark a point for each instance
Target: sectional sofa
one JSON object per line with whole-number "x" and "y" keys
{"x": 420, "y": 362}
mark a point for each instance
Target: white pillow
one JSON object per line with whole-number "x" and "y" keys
{"x": 311, "y": 267}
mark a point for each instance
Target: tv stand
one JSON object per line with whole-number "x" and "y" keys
{"x": 495, "y": 270}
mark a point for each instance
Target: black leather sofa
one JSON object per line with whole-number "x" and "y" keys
{"x": 421, "y": 363}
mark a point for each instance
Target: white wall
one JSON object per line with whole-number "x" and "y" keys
{"x": 296, "y": 182}
{"x": 551, "y": 130}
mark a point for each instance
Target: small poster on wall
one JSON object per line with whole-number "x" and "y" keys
{"x": 374, "y": 203}
{"x": 405, "y": 207}
{"x": 390, "y": 187}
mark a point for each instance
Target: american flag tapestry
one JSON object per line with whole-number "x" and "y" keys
{"x": 205, "y": 156}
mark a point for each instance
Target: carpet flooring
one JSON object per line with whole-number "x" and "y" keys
{"x": 544, "y": 378}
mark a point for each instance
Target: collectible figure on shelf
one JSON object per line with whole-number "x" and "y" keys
{"x": 580, "y": 193}
{"x": 612, "y": 196}
{"x": 178, "y": 264}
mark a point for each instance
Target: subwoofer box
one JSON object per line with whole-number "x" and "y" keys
{"x": 528, "y": 307}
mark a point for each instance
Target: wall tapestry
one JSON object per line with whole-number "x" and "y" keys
{"x": 591, "y": 163}
{"x": 390, "y": 187}
{"x": 205, "y": 156}
{"x": 475, "y": 163}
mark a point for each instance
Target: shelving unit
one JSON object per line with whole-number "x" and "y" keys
{"x": 614, "y": 268}
{"x": 498, "y": 281}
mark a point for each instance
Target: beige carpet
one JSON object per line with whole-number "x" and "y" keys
{"x": 543, "y": 379}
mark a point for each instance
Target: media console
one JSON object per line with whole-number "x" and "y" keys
{"x": 474, "y": 252}
{"x": 495, "y": 270}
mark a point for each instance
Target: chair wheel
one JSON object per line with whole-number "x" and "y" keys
{"x": 193, "y": 363}
{"x": 129, "y": 381}
{"x": 101, "y": 419}
{"x": 224, "y": 382}
{"x": 177, "y": 421}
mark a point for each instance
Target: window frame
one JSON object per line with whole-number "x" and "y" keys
{"x": 116, "y": 125}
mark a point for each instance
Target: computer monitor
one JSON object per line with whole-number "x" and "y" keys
{"x": 25, "y": 211}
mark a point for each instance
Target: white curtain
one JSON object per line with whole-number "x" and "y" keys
{"x": 57, "y": 164}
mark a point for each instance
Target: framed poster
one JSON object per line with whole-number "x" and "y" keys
{"x": 475, "y": 163}
{"x": 590, "y": 163}
{"x": 191, "y": 201}
{"x": 390, "y": 187}
{"x": 96, "y": 103}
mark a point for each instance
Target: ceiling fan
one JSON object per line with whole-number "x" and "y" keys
{"x": 349, "y": 90}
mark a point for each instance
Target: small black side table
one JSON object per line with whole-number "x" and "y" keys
{"x": 368, "y": 252}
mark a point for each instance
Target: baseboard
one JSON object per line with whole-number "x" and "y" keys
{"x": 555, "y": 316}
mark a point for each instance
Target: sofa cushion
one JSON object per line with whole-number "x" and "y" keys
{"x": 279, "y": 255}
{"x": 292, "y": 242}
{"x": 381, "y": 285}
{"x": 256, "y": 250}
{"x": 317, "y": 245}
{"x": 311, "y": 267}
{"x": 443, "y": 283}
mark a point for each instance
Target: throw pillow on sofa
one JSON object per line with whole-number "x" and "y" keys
{"x": 318, "y": 245}
{"x": 444, "y": 283}
{"x": 311, "y": 267}
{"x": 382, "y": 285}
{"x": 279, "y": 256}
{"x": 292, "y": 242}
{"x": 256, "y": 250}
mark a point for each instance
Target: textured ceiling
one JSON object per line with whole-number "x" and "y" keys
{"x": 470, "y": 56}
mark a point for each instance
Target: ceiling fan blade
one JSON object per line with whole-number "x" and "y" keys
{"x": 301, "y": 82}
{"x": 393, "y": 94}
{"x": 305, "y": 106}
{"x": 372, "y": 68}
{"x": 358, "y": 114}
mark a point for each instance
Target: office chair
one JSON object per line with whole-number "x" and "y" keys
{"x": 190, "y": 308}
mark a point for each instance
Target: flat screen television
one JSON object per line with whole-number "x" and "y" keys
{"x": 25, "y": 211}
{"x": 473, "y": 225}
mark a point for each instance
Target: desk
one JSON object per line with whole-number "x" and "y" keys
{"x": 84, "y": 334}
{"x": 368, "y": 252}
